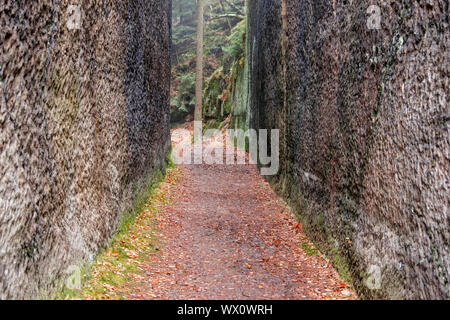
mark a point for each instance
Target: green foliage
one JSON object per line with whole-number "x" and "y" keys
{"x": 222, "y": 43}
{"x": 235, "y": 48}
{"x": 184, "y": 102}
{"x": 187, "y": 89}
{"x": 183, "y": 9}
{"x": 219, "y": 87}
{"x": 309, "y": 248}
{"x": 215, "y": 95}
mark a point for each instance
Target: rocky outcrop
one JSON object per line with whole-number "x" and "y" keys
{"x": 359, "y": 94}
{"x": 84, "y": 127}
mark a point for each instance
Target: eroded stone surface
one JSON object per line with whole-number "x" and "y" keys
{"x": 363, "y": 115}
{"x": 84, "y": 124}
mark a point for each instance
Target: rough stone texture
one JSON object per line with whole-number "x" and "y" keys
{"x": 84, "y": 124}
{"x": 364, "y": 121}
{"x": 239, "y": 102}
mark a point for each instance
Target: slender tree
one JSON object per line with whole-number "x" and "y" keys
{"x": 199, "y": 68}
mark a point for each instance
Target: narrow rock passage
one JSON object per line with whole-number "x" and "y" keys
{"x": 226, "y": 235}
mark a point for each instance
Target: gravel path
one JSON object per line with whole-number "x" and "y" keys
{"x": 226, "y": 235}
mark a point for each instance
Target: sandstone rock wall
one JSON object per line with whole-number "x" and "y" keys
{"x": 364, "y": 121}
{"x": 84, "y": 123}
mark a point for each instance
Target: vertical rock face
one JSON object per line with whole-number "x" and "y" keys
{"x": 84, "y": 123}
{"x": 364, "y": 119}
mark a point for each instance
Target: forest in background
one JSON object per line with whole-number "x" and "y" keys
{"x": 224, "y": 23}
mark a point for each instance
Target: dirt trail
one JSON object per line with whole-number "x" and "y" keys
{"x": 226, "y": 235}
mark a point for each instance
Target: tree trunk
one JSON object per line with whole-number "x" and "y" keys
{"x": 199, "y": 67}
